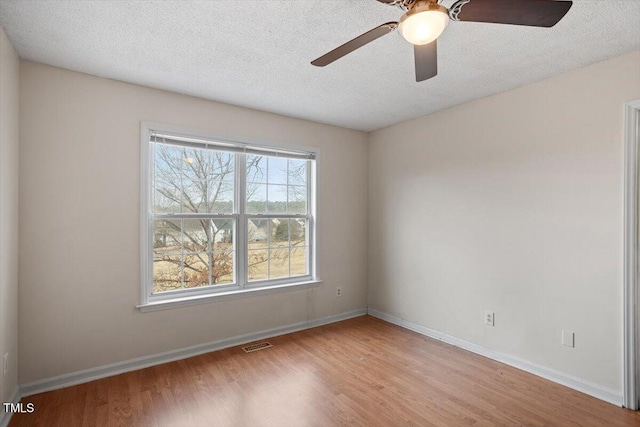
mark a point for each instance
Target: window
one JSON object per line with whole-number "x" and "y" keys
{"x": 222, "y": 217}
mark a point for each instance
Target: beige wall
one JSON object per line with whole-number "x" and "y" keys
{"x": 9, "y": 85}
{"x": 513, "y": 204}
{"x": 79, "y": 195}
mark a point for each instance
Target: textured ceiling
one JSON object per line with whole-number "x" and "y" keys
{"x": 256, "y": 53}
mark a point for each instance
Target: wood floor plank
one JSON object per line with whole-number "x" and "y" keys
{"x": 360, "y": 372}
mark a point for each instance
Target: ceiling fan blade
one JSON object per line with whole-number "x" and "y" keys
{"x": 354, "y": 44}
{"x": 534, "y": 13}
{"x": 426, "y": 56}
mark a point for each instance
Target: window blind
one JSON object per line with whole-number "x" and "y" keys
{"x": 229, "y": 146}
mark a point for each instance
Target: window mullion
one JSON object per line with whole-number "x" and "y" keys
{"x": 311, "y": 218}
{"x": 210, "y": 252}
{"x": 182, "y": 221}
{"x": 277, "y": 215}
{"x": 194, "y": 216}
{"x": 268, "y": 246}
{"x": 241, "y": 253}
{"x": 289, "y": 237}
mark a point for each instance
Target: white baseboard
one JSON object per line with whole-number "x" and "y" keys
{"x": 91, "y": 374}
{"x": 591, "y": 389}
{"x": 5, "y": 417}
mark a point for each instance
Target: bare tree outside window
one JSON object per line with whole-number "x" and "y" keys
{"x": 196, "y": 252}
{"x": 277, "y": 246}
{"x": 197, "y": 247}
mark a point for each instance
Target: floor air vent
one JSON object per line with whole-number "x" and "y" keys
{"x": 256, "y": 347}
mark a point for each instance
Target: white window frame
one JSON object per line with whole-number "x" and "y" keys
{"x": 241, "y": 286}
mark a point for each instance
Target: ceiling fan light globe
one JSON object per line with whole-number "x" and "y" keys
{"x": 421, "y": 27}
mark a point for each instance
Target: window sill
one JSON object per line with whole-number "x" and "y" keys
{"x": 222, "y": 296}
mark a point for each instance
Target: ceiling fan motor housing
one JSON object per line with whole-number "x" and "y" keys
{"x": 424, "y": 6}
{"x": 405, "y": 4}
{"x": 394, "y": 2}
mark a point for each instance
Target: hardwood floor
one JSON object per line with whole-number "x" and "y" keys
{"x": 362, "y": 371}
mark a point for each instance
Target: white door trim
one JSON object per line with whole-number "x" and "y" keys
{"x": 631, "y": 328}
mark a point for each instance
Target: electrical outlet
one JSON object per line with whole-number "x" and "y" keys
{"x": 338, "y": 291}
{"x": 488, "y": 318}
{"x": 5, "y": 364}
{"x": 568, "y": 338}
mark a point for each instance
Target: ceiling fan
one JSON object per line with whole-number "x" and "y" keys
{"x": 425, "y": 20}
